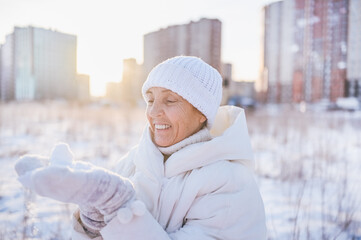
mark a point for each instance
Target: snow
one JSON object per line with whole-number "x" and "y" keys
{"x": 307, "y": 165}
{"x": 308, "y": 168}
{"x": 61, "y": 155}
{"x": 350, "y": 103}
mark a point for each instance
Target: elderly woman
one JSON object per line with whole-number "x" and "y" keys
{"x": 190, "y": 176}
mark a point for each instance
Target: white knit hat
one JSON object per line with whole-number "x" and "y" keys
{"x": 191, "y": 78}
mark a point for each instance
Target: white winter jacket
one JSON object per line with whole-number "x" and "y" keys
{"x": 205, "y": 190}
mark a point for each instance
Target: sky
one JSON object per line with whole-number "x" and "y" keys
{"x": 109, "y": 31}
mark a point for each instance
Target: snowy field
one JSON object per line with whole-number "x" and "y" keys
{"x": 307, "y": 165}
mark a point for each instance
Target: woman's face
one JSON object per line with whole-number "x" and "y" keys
{"x": 171, "y": 117}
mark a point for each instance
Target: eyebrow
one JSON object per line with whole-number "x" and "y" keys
{"x": 165, "y": 90}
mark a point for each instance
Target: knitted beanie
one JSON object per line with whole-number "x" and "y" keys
{"x": 191, "y": 78}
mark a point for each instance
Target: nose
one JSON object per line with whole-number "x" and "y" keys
{"x": 155, "y": 110}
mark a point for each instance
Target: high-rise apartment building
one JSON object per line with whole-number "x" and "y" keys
{"x": 353, "y": 88}
{"x": 83, "y": 83}
{"x": 201, "y": 39}
{"x": 38, "y": 64}
{"x": 305, "y": 50}
{"x": 0, "y": 69}
{"x": 132, "y": 81}
{"x": 272, "y": 33}
{"x": 327, "y": 56}
{"x": 278, "y": 49}
{"x": 227, "y": 80}
{"x": 113, "y": 91}
{"x": 7, "y": 69}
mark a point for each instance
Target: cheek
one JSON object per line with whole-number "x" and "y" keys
{"x": 147, "y": 115}
{"x": 178, "y": 116}
{"x": 187, "y": 121}
{"x": 149, "y": 119}
{"x": 174, "y": 115}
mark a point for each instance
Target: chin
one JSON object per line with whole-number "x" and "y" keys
{"x": 162, "y": 144}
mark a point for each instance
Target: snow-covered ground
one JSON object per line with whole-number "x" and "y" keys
{"x": 307, "y": 165}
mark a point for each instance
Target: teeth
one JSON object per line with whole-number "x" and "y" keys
{"x": 161, "y": 126}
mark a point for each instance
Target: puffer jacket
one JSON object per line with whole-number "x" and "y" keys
{"x": 205, "y": 190}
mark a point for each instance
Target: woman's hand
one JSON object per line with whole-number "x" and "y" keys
{"x": 98, "y": 192}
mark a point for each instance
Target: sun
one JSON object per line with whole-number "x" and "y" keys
{"x": 101, "y": 62}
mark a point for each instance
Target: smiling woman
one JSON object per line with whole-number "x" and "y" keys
{"x": 190, "y": 176}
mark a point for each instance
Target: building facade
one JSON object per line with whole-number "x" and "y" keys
{"x": 272, "y": 34}
{"x": 201, "y": 39}
{"x": 38, "y": 64}
{"x": 278, "y": 51}
{"x": 83, "y": 83}
{"x": 132, "y": 80}
{"x": 353, "y": 84}
{"x": 7, "y": 69}
{"x": 0, "y": 69}
{"x": 305, "y": 50}
{"x": 113, "y": 92}
{"x": 227, "y": 70}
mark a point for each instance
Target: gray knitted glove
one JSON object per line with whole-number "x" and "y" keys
{"x": 98, "y": 192}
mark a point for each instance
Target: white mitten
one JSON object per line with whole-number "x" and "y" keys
{"x": 96, "y": 190}
{"x": 61, "y": 155}
{"x": 29, "y": 162}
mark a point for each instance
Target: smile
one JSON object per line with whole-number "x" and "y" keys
{"x": 161, "y": 126}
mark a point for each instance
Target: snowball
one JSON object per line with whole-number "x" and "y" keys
{"x": 61, "y": 155}
{"x": 80, "y": 165}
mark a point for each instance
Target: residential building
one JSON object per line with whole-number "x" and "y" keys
{"x": 278, "y": 49}
{"x": 38, "y": 63}
{"x": 113, "y": 91}
{"x": 201, "y": 39}
{"x": 353, "y": 88}
{"x": 7, "y": 69}
{"x": 0, "y": 70}
{"x": 242, "y": 88}
{"x": 305, "y": 50}
{"x": 132, "y": 81}
{"x": 272, "y": 49}
{"x": 83, "y": 83}
{"x": 227, "y": 80}
{"x": 327, "y": 48}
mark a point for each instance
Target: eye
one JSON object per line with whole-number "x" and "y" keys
{"x": 150, "y": 101}
{"x": 170, "y": 100}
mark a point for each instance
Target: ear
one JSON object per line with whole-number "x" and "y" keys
{"x": 202, "y": 119}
